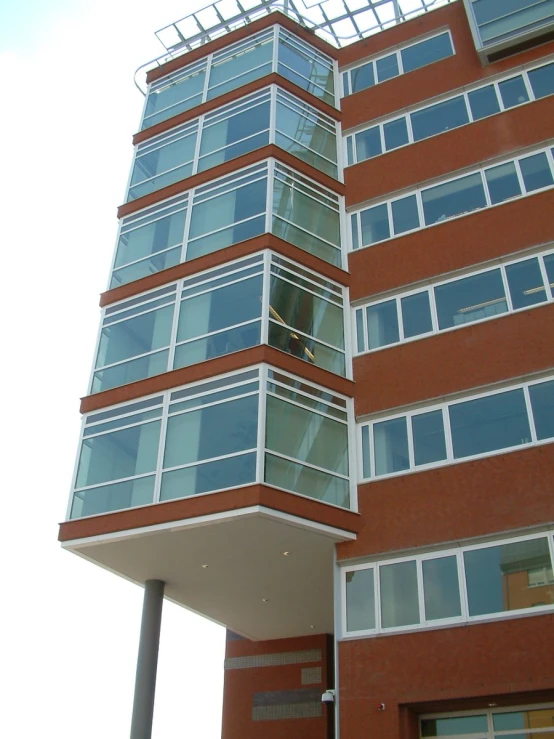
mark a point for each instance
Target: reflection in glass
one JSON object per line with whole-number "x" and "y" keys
{"x": 360, "y": 600}
{"x": 217, "y": 344}
{"x": 454, "y": 198}
{"x": 441, "y": 588}
{"x": 428, "y": 437}
{"x": 390, "y": 440}
{"x": 158, "y": 167}
{"x": 284, "y": 473}
{"x": 305, "y": 67}
{"x": 513, "y": 92}
{"x": 503, "y": 182}
{"x": 416, "y": 314}
{"x": 239, "y": 65}
{"x": 541, "y": 718}
{"x": 426, "y": 52}
{"x": 486, "y": 424}
{"x": 536, "y": 172}
{"x": 113, "y": 497}
{"x": 362, "y": 77}
{"x": 208, "y": 476}
{"x": 179, "y": 93}
{"x": 375, "y": 224}
{"x": 470, "y": 299}
{"x": 525, "y": 283}
{"x": 542, "y": 403}
{"x": 483, "y": 102}
{"x": 382, "y": 324}
{"x": 368, "y": 144}
{"x": 461, "y": 725}
{"x": 542, "y": 81}
{"x": 497, "y": 577}
{"x": 395, "y": 134}
{"x": 405, "y": 214}
{"x": 399, "y": 595}
{"x": 387, "y": 67}
{"x": 440, "y": 117}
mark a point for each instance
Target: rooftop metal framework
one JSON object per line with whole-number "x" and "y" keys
{"x": 339, "y": 22}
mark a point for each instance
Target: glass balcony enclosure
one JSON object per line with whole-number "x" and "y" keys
{"x": 498, "y": 25}
{"x": 270, "y": 116}
{"x": 274, "y": 50}
{"x": 254, "y": 426}
{"x": 265, "y": 198}
{"x": 265, "y": 299}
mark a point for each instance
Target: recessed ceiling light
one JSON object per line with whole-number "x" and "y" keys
{"x": 265, "y": 600}
{"x": 312, "y": 626}
{"x": 491, "y": 705}
{"x": 286, "y": 554}
{"x": 205, "y": 567}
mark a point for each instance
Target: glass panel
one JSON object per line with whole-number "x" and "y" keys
{"x": 163, "y": 166}
{"x": 460, "y": 725}
{"x": 549, "y": 266}
{"x": 203, "y": 478}
{"x": 441, "y": 588}
{"x": 241, "y": 67}
{"x": 288, "y": 340}
{"x": 416, "y": 314}
{"x": 490, "y": 423}
{"x": 306, "y": 69}
{"x": 525, "y": 283}
{"x": 541, "y": 718}
{"x": 396, "y": 134}
{"x": 513, "y": 92}
{"x": 387, "y": 67}
{"x": 497, "y": 577}
{"x": 470, "y": 299}
{"x": 241, "y": 132}
{"x": 119, "y": 454}
{"x": 309, "y": 437}
{"x": 216, "y": 345}
{"x": 390, "y": 440}
{"x": 307, "y": 137}
{"x": 366, "y": 454}
{"x": 542, "y": 403}
{"x": 354, "y": 231}
{"x": 213, "y": 431}
{"x": 350, "y": 150}
{"x": 375, "y": 224}
{"x": 306, "y": 481}
{"x": 131, "y": 371}
{"x": 454, "y": 198}
{"x": 499, "y": 19}
{"x": 362, "y": 77}
{"x": 368, "y": 144}
{"x": 382, "y": 324}
{"x": 114, "y": 497}
{"x": 405, "y": 214}
{"x": 542, "y": 81}
{"x": 399, "y": 596}
{"x": 221, "y": 212}
{"x": 502, "y": 182}
{"x": 360, "y": 600}
{"x": 536, "y": 172}
{"x": 426, "y": 52}
{"x": 151, "y": 238}
{"x": 360, "y": 334}
{"x": 438, "y": 118}
{"x": 174, "y": 98}
{"x": 428, "y": 437}
{"x": 146, "y": 267}
{"x": 483, "y": 102}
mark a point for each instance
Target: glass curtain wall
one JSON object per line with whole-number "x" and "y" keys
{"x": 261, "y": 299}
{"x": 497, "y": 21}
{"x": 236, "y": 66}
{"x": 265, "y": 117}
{"x": 207, "y": 437}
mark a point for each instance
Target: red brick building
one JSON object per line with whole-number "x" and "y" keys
{"x": 322, "y": 407}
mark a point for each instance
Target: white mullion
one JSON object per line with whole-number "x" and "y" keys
{"x": 199, "y": 134}
{"x": 348, "y": 333}
{"x": 272, "y": 114}
{"x": 530, "y": 416}
{"x": 548, "y": 290}
{"x": 420, "y": 592}
{"x": 400, "y": 62}
{"x": 148, "y": 91}
{"x": 365, "y": 329}
{"x": 381, "y": 128}
{"x": 399, "y": 319}
{"x": 161, "y": 448}
{"x": 447, "y": 435}
{"x": 506, "y": 285}
{"x": 209, "y": 63}
{"x": 315, "y": 411}
{"x": 462, "y": 588}
{"x": 131, "y": 359}
{"x": 377, "y": 585}
{"x": 528, "y": 87}
{"x": 200, "y": 462}
{"x": 468, "y": 106}
{"x": 410, "y": 440}
{"x": 408, "y": 118}
{"x": 519, "y": 175}
{"x": 433, "y": 307}
{"x": 389, "y": 216}
{"x": 550, "y": 159}
{"x": 262, "y": 412}
{"x": 371, "y": 442}
{"x": 143, "y": 310}
{"x": 269, "y": 196}
{"x": 485, "y": 189}
{"x": 550, "y": 538}
{"x": 289, "y": 280}
{"x": 184, "y": 245}
{"x": 490, "y": 723}
{"x": 174, "y": 326}
{"x": 115, "y": 481}
{"x": 202, "y": 406}
{"x": 275, "y": 56}
{"x": 420, "y": 211}
{"x": 264, "y": 335}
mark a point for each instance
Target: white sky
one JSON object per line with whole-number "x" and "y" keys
{"x": 68, "y": 110}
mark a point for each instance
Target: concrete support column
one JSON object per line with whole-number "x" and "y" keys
{"x": 147, "y": 662}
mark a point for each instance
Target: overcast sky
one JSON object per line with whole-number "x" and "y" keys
{"x": 70, "y": 630}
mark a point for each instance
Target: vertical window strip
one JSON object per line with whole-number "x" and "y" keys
{"x": 358, "y": 149}
{"x": 515, "y": 417}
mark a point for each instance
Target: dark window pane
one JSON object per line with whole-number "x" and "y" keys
{"x": 542, "y": 81}
{"x": 368, "y": 144}
{"x": 483, "y": 102}
{"x": 113, "y": 497}
{"x": 203, "y": 478}
{"x": 390, "y": 440}
{"x": 354, "y": 231}
{"x": 360, "y": 600}
{"x": 502, "y": 182}
{"x": 350, "y": 150}
{"x": 470, "y": 299}
{"x": 542, "y": 403}
{"x": 497, "y": 578}
{"x": 382, "y": 324}
{"x": 426, "y": 52}
{"x": 487, "y": 424}
{"x": 405, "y": 215}
{"x": 416, "y": 314}
{"x": 396, "y": 134}
{"x": 362, "y": 77}
{"x": 360, "y": 330}
{"x": 346, "y": 83}
{"x": 399, "y": 596}
{"x": 387, "y": 67}
{"x": 428, "y": 436}
{"x": 218, "y": 344}
{"x": 536, "y": 172}
{"x": 525, "y": 283}
{"x": 513, "y": 92}
{"x": 366, "y": 454}
{"x": 375, "y": 224}
{"x": 438, "y": 118}
{"x": 454, "y": 198}
{"x": 306, "y": 481}
{"x": 441, "y": 588}
{"x": 436, "y": 727}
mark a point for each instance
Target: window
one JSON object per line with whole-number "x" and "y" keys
{"x": 478, "y": 296}
{"x": 529, "y": 722}
{"x": 453, "y": 112}
{"x": 209, "y": 436}
{"x": 456, "y": 197}
{"x": 407, "y": 59}
{"x": 236, "y": 66}
{"x": 461, "y": 584}
{"x": 461, "y": 429}
{"x": 496, "y": 22}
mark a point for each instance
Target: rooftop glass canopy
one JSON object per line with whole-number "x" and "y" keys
{"x": 339, "y": 22}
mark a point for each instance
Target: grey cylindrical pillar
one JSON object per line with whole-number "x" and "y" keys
{"x": 147, "y": 662}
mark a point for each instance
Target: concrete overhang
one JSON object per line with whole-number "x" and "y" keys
{"x": 229, "y": 565}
